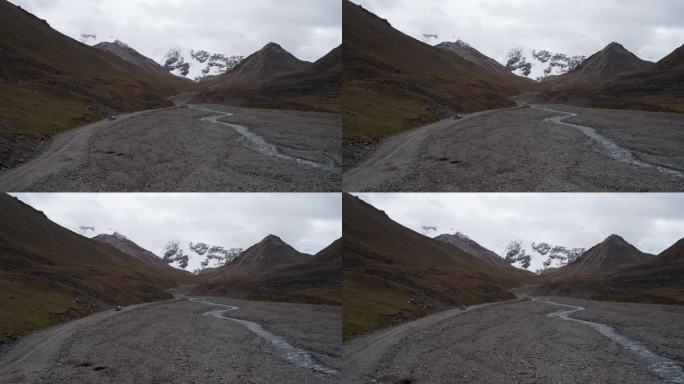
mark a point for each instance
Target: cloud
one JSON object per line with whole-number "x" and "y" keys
{"x": 309, "y": 222}
{"x": 650, "y": 221}
{"x": 307, "y": 28}
{"x": 582, "y": 27}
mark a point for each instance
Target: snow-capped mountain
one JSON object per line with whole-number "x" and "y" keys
{"x": 539, "y": 64}
{"x": 194, "y": 257}
{"x": 197, "y": 65}
{"x": 536, "y": 257}
{"x": 188, "y": 255}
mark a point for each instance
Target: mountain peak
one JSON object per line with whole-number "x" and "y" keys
{"x": 614, "y": 45}
{"x": 271, "y": 46}
{"x": 614, "y": 237}
{"x": 271, "y": 239}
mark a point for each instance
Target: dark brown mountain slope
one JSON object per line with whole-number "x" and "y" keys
{"x": 612, "y": 253}
{"x": 49, "y": 274}
{"x": 316, "y": 280}
{"x": 130, "y": 55}
{"x": 394, "y": 82}
{"x": 125, "y": 245}
{"x": 606, "y": 64}
{"x": 658, "y": 279}
{"x": 468, "y": 245}
{"x": 263, "y": 257}
{"x": 265, "y": 64}
{"x": 469, "y": 53}
{"x": 317, "y": 87}
{"x": 50, "y": 82}
{"x": 393, "y": 274}
{"x": 658, "y": 87}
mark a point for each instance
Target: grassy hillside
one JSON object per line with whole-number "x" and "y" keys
{"x": 50, "y": 82}
{"x": 393, "y": 82}
{"x": 393, "y": 274}
{"x": 49, "y": 274}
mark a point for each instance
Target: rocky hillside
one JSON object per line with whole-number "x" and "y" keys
{"x": 468, "y": 245}
{"x": 472, "y": 55}
{"x": 129, "y": 54}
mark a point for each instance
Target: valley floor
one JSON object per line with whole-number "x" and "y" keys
{"x": 517, "y": 342}
{"x": 182, "y": 341}
{"x": 519, "y": 149}
{"x": 190, "y": 149}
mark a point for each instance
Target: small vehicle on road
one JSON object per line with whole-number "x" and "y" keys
{"x": 112, "y": 117}
{"x": 117, "y": 308}
{"x": 458, "y": 116}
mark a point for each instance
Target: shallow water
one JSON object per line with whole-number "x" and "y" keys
{"x": 291, "y": 353}
{"x": 610, "y": 147}
{"x": 669, "y": 370}
{"x": 259, "y": 144}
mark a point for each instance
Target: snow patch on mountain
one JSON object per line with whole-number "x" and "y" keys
{"x": 537, "y": 257}
{"x": 197, "y": 65}
{"x": 195, "y": 256}
{"x": 539, "y": 64}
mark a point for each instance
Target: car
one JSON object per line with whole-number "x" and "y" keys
{"x": 458, "y": 116}
{"x": 117, "y": 308}
{"x": 112, "y": 118}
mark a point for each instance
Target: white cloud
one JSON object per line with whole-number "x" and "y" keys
{"x": 307, "y": 221}
{"x": 650, "y": 29}
{"x": 307, "y": 28}
{"x": 650, "y": 221}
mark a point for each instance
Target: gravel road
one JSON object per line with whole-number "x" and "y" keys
{"x": 518, "y": 149}
{"x": 183, "y": 149}
{"x": 518, "y": 342}
{"x": 180, "y": 341}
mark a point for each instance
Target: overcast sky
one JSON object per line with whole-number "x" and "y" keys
{"x": 307, "y": 221}
{"x": 307, "y": 28}
{"x": 651, "y": 222}
{"x": 650, "y": 29}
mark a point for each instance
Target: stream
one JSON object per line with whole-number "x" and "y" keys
{"x": 612, "y": 149}
{"x": 291, "y": 353}
{"x": 258, "y": 143}
{"x": 669, "y": 370}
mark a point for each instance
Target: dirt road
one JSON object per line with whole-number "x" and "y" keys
{"x": 525, "y": 341}
{"x": 531, "y": 149}
{"x": 184, "y": 341}
{"x": 190, "y": 148}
